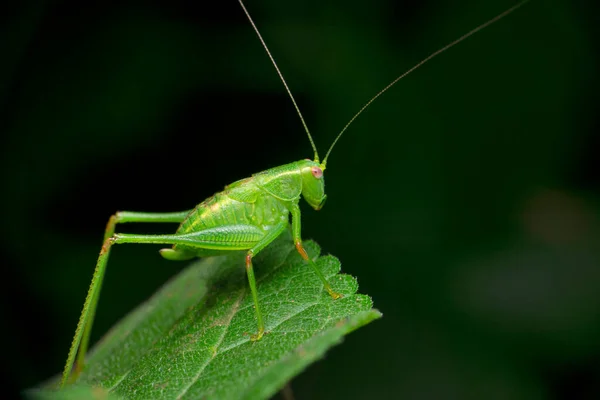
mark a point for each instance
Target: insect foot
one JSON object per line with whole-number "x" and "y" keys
{"x": 334, "y": 295}
{"x": 258, "y": 336}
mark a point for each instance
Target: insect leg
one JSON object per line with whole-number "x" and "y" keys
{"x": 121, "y": 217}
{"x": 132, "y": 216}
{"x": 298, "y": 242}
{"x": 217, "y": 238}
{"x": 256, "y": 241}
{"x": 264, "y": 242}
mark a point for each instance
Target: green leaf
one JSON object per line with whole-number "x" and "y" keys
{"x": 192, "y": 338}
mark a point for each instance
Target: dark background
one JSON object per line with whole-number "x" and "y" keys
{"x": 465, "y": 200}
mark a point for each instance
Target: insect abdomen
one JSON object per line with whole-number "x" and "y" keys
{"x": 222, "y": 210}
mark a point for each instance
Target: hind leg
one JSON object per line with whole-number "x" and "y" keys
{"x": 82, "y": 337}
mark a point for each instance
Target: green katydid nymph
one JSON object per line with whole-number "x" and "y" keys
{"x": 246, "y": 216}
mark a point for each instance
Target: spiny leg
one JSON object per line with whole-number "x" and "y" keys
{"x": 215, "y": 239}
{"x": 81, "y": 339}
{"x": 119, "y": 217}
{"x": 298, "y": 243}
{"x": 264, "y": 242}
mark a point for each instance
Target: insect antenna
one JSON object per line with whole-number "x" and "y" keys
{"x": 312, "y": 143}
{"x": 419, "y": 64}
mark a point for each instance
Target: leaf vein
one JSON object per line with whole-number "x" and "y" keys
{"x": 239, "y": 343}
{"x": 119, "y": 381}
{"x": 234, "y": 310}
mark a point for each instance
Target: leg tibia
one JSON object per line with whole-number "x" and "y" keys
{"x": 326, "y": 285}
{"x": 84, "y": 326}
{"x": 252, "y": 283}
{"x": 264, "y": 242}
{"x": 298, "y": 242}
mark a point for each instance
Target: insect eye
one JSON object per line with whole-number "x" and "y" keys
{"x": 317, "y": 172}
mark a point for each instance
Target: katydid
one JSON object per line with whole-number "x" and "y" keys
{"x": 246, "y": 216}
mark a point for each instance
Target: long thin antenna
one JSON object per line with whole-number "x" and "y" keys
{"x": 382, "y": 91}
{"x": 312, "y": 143}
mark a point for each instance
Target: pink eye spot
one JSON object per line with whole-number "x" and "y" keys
{"x": 317, "y": 172}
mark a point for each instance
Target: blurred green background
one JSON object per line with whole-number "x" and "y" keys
{"x": 465, "y": 200}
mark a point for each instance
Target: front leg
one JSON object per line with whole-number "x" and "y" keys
{"x": 295, "y": 209}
